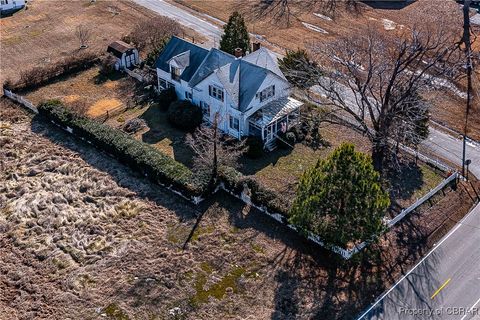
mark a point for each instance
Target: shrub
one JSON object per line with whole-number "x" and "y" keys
{"x": 166, "y": 97}
{"x": 140, "y": 156}
{"x": 184, "y": 115}
{"x": 107, "y": 65}
{"x": 255, "y": 147}
{"x": 134, "y": 125}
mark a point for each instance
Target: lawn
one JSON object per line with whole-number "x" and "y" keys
{"x": 84, "y": 87}
{"x": 281, "y": 169}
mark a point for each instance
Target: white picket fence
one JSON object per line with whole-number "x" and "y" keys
{"x": 21, "y": 100}
{"x": 133, "y": 74}
{"x": 422, "y": 200}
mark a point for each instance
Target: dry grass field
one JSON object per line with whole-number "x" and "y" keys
{"x": 82, "y": 237}
{"x": 46, "y": 31}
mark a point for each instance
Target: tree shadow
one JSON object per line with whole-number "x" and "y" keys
{"x": 251, "y": 166}
{"x": 121, "y": 174}
{"x": 388, "y": 5}
{"x": 338, "y": 289}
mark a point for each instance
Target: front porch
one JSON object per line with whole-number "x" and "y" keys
{"x": 278, "y": 115}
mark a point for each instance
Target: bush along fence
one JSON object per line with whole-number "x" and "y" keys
{"x": 165, "y": 171}
{"x": 38, "y": 76}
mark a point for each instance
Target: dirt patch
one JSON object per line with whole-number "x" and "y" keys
{"x": 103, "y": 105}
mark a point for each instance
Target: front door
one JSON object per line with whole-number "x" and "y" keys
{"x": 269, "y": 133}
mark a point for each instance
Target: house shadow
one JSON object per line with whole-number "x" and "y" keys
{"x": 249, "y": 166}
{"x": 162, "y": 134}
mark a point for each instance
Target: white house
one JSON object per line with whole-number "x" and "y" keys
{"x": 250, "y": 94}
{"x": 8, "y": 6}
{"x": 126, "y": 55}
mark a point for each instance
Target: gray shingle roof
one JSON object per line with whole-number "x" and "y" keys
{"x": 263, "y": 58}
{"x": 214, "y": 60}
{"x": 241, "y": 80}
{"x": 175, "y": 47}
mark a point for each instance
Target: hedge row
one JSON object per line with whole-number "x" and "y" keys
{"x": 158, "y": 167}
{"x": 41, "y": 75}
{"x": 260, "y": 195}
{"x": 139, "y": 156}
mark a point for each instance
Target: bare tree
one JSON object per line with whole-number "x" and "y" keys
{"x": 214, "y": 150}
{"x": 373, "y": 81}
{"x": 151, "y": 33}
{"x": 83, "y": 34}
{"x": 282, "y": 11}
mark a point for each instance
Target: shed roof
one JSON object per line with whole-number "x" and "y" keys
{"x": 117, "y": 48}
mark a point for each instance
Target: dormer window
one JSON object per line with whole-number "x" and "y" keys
{"x": 176, "y": 73}
{"x": 267, "y": 93}
{"x": 215, "y": 92}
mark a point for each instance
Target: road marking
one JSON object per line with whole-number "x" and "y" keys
{"x": 470, "y": 309}
{"x": 459, "y": 224}
{"x": 441, "y": 288}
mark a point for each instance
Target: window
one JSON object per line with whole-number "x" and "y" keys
{"x": 234, "y": 123}
{"x": 267, "y": 93}
{"x": 205, "y": 108}
{"x": 215, "y": 92}
{"x": 175, "y": 72}
{"x": 188, "y": 95}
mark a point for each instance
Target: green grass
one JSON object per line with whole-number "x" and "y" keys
{"x": 115, "y": 312}
{"x": 217, "y": 290}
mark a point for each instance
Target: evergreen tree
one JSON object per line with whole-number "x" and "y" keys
{"x": 235, "y": 35}
{"x": 340, "y": 198}
{"x": 299, "y": 69}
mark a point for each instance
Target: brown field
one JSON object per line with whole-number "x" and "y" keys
{"x": 46, "y": 31}
{"x": 82, "y": 237}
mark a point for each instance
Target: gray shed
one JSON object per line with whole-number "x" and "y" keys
{"x": 127, "y": 55}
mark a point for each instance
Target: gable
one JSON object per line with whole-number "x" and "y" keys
{"x": 178, "y": 48}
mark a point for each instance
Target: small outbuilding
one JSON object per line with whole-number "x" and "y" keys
{"x": 127, "y": 55}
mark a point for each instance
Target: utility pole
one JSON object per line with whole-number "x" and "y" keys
{"x": 468, "y": 52}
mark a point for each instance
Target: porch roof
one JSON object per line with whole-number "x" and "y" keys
{"x": 274, "y": 111}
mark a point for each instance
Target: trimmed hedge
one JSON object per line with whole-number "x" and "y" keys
{"x": 158, "y": 167}
{"x": 260, "y": 195}
{"x": 137, "y": 155}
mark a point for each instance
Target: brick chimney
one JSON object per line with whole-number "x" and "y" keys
{"x": 238, "y": 52}
{"x": 255, "y": 46}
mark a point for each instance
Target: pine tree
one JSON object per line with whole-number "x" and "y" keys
{"x": 299, "y": 69}
{"x": 235, "y": 35}
{"x": 340, "y": 199}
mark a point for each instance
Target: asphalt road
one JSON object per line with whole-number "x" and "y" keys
{"x": 211, "y": 31}
{"x": 445, "y": 284}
